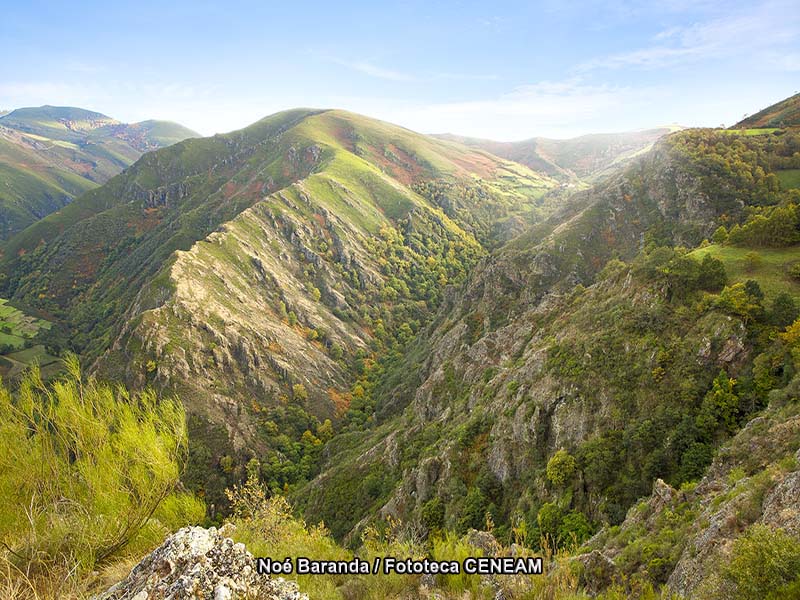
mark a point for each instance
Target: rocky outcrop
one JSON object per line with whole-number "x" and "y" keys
{"x": 728, "y": 508}
{"x": 200, "y": 563}
{"x": 483, "y": 541}
{"x": 754, "y": 479}
{"x": 597, "y": 571}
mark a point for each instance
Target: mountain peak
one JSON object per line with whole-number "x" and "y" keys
{"x": 39, "y": 114}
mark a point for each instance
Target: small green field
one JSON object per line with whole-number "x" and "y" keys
{"x": 771, "y": 271}
{"x": 789, "y": 178}
{"x": 12, "y": 364}
{"x": 16, "y": 326}
{"x": 16, "y": 331}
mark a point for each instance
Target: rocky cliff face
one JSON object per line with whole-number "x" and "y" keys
{"x": 200, "y": 563}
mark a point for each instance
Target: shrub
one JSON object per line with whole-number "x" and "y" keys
{"x": 784, "y": 310}
{"x": 720, "y": 407}
{"x": 763, "y": 560}
{"x": 561, "y": 467}
{"x": 720, "y": 235}
{"x": 574, "y": 530}
{"x": 84, "y": 466}
{"x": 473, "y": 514}
{"x": 549, "y": 519}
{"x": 738, "y": 300}
{"x": 299, "y": 392}
{"x": 433, "y": 514}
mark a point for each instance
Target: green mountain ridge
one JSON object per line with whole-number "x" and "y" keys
{"x": 50, "y": 155}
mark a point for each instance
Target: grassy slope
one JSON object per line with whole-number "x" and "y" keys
{"x": 785, "y": 113}
{"x": 789, "y": 178}
{"x": 752, "y": 131}
{"x": 31, "y": 187}
{"x": 51, "y": 122}
{"x": 17, "y": 329}
{"x": 771, "y": 271}
{"x": 158, "y": 134}
{"x": 191, "y": 158}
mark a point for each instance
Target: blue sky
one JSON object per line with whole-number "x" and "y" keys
{"x": 498, "y": 70}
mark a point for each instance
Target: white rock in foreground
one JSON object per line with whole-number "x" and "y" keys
{"x": 200, "y": 563}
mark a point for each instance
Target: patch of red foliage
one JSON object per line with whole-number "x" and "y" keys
{"x": 149, "y": 219}
{"x": 397, "y": 163}
{"x": 254, "y": 188}
{"x": 343, "y": 132}
{"x": 340, "y": 400}
{"x": 89, "y": 261}
{"x": 608, "y": 237}
{"x": 81, "y": 167}
{"x": 229, "y": 189}
{"x": 479, "y": 164}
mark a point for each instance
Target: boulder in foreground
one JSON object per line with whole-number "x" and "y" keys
{"x": 200, "y": 563}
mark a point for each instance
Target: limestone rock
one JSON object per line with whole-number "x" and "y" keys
{"x": 200, "y": 563}
{"x": 484, "y": 541}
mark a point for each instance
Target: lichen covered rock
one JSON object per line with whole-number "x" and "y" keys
{"x": 200, "y": 563}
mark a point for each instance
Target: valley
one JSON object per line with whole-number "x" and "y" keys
{"x": 583, "y": 349}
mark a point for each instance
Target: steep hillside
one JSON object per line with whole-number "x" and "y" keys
{"x": 260, "y": 273}
{"x": 715, "y": 537}
{"x": 785, "y": 113}
{"x": 588, "y": 157}
{"x": 556, "y": 344}
{"x": 50, "y": 155}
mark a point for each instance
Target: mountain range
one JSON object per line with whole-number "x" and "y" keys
{"x": 588, "y": 342}
{"x": 50, "y": 155}
{"x": 586, "y": 158}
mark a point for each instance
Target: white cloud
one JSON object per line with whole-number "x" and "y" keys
{"x": 378, "y": 72}
{"x": 368, "y": 68}
{"x": 755, "y": 33}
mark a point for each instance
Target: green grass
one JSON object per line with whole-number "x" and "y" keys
{"x": 771, "y": 272}
{"x": 12, "y": 340}
{"x": 17, "y": 328}
{"x": 789, "y": 178}
{"x": 20, "y": 324}
{"x": 755, "y": 131}
{"x": 39, "y": 180}
{"x": 33, "y": 354}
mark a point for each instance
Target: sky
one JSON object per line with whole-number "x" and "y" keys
{"x": 498, "y": 70}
